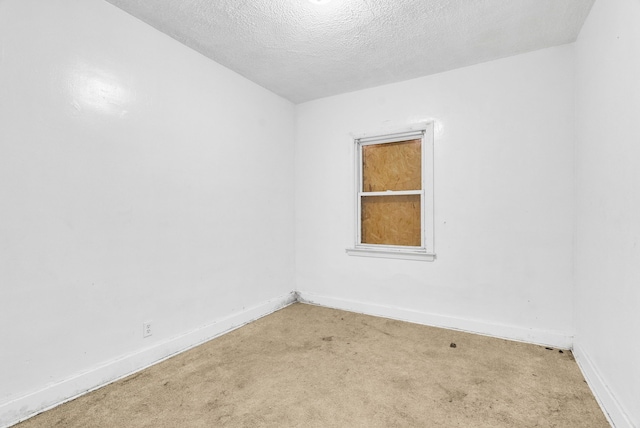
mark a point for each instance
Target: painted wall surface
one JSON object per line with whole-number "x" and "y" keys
{"x": 503, "y": 196}
{"x": 138, "y": 181}
{"x": 607, "y": 256}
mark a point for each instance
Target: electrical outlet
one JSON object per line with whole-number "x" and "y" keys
{"x": 146, "y": 329}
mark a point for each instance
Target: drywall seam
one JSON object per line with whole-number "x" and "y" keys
{"x": 610, "y": 406}
{"x": 557, "y": 339}
{"x": 50, "y": 396}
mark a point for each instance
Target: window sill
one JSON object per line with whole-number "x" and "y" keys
{"x": 391, "y": 254}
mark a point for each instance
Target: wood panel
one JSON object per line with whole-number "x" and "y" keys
{"x": 391, "y": 220}
{"x": 392, "y": 166}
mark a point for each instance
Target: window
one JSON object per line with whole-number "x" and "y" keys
{"x": 394, "y": 194}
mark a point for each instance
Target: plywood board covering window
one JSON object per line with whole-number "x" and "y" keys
{"x": 394, "y": 194}
{"x": 392, "y": 166}
{"x": 391, "y": 220}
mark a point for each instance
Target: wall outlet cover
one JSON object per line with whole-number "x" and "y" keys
{"x": 146, "y": 329}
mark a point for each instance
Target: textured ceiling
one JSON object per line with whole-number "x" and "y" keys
{"x": 303, "y": 51}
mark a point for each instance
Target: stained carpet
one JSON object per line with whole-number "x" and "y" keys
{"x": 308, "y": 366}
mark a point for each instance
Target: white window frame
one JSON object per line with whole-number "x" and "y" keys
{"x": 425, "y": 251}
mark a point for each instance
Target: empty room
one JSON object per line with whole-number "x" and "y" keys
{"x": 323, "y": 213}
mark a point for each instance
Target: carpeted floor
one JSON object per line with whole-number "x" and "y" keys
{"x": 307, "y": 366}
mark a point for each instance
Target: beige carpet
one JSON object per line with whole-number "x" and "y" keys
{"x": 307, "y": 366}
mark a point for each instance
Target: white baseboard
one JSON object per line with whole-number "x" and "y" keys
{"x": 608, "y": 403}
{"x": 556, "y": 339}
{"x": 36, "y": 402}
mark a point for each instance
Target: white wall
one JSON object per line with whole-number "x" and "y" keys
{"x": 607, "y": 255}
{"x": 503, "y": 204}
{"x": 138, "y": 181}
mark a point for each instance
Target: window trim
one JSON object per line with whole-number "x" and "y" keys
{"x": 425, "y": 252}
